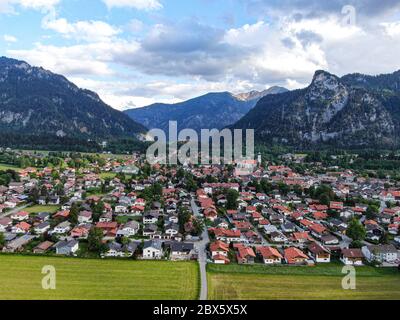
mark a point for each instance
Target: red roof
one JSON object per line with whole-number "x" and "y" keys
{"x": 219, "y": 246}
{"x": 269, "y": 252}
{"x": 23, "y": 225}
{"x": 245, "y": 252}
{"x": 317, "y": 228}
{"x": 292, "y": 254}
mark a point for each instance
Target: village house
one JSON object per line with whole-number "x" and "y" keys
{"x": 295, "y": 256}
{"x": 21, "y": 228}
{"x": 42, "y": 228}
{"x": 85, "y": 217}
{"x": 270, "y": 255}
{"x": 380, "y": 253}
{"x": 62, "y": 228}
{"x": 43, "y": 247}
{"x": 181, "y": 251}
{"x": 67, "y": 247}
{"x": 352, "y": 257}
{"x": 245, "y": 255}
{"x": 319, "y": 253}
{"x": 153, "y": 250}
{"x": 129, "y": 229}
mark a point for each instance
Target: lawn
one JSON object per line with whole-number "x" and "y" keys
{"x": 259, "y": 282}
{"x": 21, "y": 277}
{"x": 4, "y": 167}
{"x": 39, "y": 208}
{"x": 107, "y": 175}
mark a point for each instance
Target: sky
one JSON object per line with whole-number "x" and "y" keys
{"x": 137, "y": 52}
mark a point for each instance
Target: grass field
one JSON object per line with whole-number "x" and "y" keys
{"x": 20, "y": 278}
{"x": 259, "y": 282}
{"x": 4, "y": 167}
{"x": 107, "y": 175}
{"x": 38, "y": 208}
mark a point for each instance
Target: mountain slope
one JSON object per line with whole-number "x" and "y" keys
{"x": 213, "y": 110}
{"x": 330, "y": 111}
{"x": 35, "y": 101}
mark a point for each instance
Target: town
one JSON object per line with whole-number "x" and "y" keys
{"x": 253, "y": 212}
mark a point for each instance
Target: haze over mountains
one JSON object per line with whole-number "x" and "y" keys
{"x": 35, "y": 101}
{"x": 213, "y": 110}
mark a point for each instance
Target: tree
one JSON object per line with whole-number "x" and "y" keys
{"x": 184, "y": 217}
{"x": 356, "y": 230}
{"x": 198, "y": 227}
{"x": 2, "y": 240}
{"x": 232, "y": 197}
{"x": 73, "y": 214}
{"x": 95, "y": 241}
{"x": 372, "y": 211}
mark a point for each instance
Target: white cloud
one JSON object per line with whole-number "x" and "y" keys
{"x": 136, "y": 4}
{"x": 38, "y": 4}
{"x": 8, "y": 6}
{"x": 392, "y": 28}
{"x": 93, "y": 31}
{"x": 88, "y": 59}
{"x": 9, "y": 38}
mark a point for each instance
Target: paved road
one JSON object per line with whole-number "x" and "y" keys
{"x": 15, "y": 210}
{"x": 201, "y": 249}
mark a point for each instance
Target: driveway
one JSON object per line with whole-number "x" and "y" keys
{"x": 201, "y": 249}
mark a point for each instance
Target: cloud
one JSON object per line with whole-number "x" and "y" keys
{"x": 135, "y": 26}
{"x": 93, "y": 31}
{"x": 136, "y": 4}
{"x": 317, "y": 8}
{"x": 9, "y": 38}
{"x": 87, "y": 59}
{"x": 174, "y": 61}
{"x": 8, "y": 6}
{"x": 392, "y": 28}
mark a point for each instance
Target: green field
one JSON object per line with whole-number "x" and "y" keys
{"x": 38, "y": 208}
{"x": 4, "y": 167}
{"x": 20, "y": 278}
{"x": 107, "y": 175}
{"x": 259, "y": 282}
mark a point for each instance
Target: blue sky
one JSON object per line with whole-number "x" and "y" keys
{"x": 137, "y": 52}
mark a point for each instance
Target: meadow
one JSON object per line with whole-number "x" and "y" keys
{"x": 323, "y": 282}
{"x": 4, "y": 167}
{"x": 87, "y": 279}
{"x": 40, "y": 208}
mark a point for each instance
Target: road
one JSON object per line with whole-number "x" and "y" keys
{"x": 15, "y": 210}
{"x": 201, "y": 247}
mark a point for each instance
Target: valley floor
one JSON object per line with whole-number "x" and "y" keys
{"x": 21, "y": 279}
{"x": 308, "y": 283}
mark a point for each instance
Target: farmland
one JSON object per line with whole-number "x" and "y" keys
{"x": 21, "y": 277}
{"x": 298, "y": 283}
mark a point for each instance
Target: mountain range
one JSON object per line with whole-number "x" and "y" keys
{"x": 213, "y": 110}
{"x": 34, "y": 101}
{"x": 355, "y": 110}
{"x": 352, "y": 111}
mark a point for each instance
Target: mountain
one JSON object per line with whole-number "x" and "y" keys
{"x": 213, "y": 110}
{"x": 257, "y": 95}
{"x": 352, "y": 111}
{"x": 34, "y": 101}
